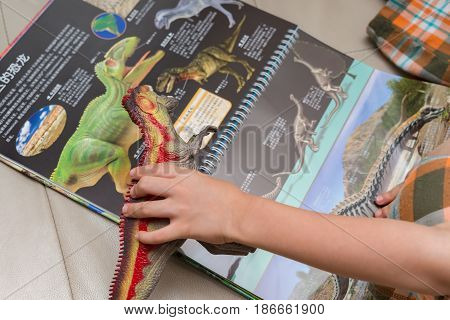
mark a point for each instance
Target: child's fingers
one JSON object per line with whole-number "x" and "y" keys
{"x": 383, "y": 212}
{"x": 388, "y": 197}
{"x": 158, "y": 187}
{"x": 163, "y": 170}
{"x": 148, "y": 209}
{"x": 160, "y": 236}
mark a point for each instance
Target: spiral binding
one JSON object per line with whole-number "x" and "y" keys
{"x": 225, "y": 137}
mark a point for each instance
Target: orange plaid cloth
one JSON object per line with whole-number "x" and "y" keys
{"x": 415, "y": 34}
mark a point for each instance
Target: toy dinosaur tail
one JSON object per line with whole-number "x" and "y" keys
{"x": 230, "y": 43}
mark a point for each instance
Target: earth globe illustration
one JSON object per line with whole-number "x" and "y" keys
{"x": 108, "y": 26}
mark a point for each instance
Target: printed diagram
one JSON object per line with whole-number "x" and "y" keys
{"x": 208, "y": 62}
{"x": 303, "y": 133}
{"x": 303, "y": 136}
{"x": 108, "y": 26}
{"x": 189, "y": 8}
{"x": 324, "y": 78}
{"x": 105, "y": 132}
{"x": 41, "y": 130}
{"x": 323, "y": 75}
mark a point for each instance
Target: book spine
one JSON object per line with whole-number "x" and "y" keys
{"x": 226, "y": 135}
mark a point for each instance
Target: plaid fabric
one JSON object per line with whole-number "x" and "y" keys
{"x": 415, "y": 34}
{"x": 424, "y": 199}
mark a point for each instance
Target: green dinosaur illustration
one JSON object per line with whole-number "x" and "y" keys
{"x": 105, "y": 132}
{"x": 106, "y": 22}
{"x": 208, "y": 62}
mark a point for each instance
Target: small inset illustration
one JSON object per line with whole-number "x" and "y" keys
{"x": 187, "y": 9}
{"x": 108, "y": 26}
{"x": 41, "y": 130}
{"x": 326, "y": 66}
{"x": 121, "y": 7}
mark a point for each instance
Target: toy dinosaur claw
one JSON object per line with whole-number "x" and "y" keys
{"x": 232, "y": 249}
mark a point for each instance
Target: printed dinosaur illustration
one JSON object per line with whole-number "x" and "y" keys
{"x": 106, "y": 22}
{"x": 189, "y": 8}
{"x": 105, "y": 132}
{"x": 362, "y": 203}
{"x": 140, "y": 266}
{"x": 208, "y": 62}
{"x": 303, "y": 136}
{"x": 325, "y": 79}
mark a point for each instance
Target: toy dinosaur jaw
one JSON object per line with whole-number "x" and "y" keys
{"x": 429, "y": 113}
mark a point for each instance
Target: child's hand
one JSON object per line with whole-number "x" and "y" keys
{"x": 385, "y": 199}
{"x": 198, "y": 206}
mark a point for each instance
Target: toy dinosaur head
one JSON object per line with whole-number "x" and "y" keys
{"x": 114, "y": 64}
{"x": 429, "y": 113}
{"x": 143, "y": 104}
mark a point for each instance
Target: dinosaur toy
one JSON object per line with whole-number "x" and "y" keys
{"x": 140, "y": 266}
{"x": 105, "y": 132}
{"x": 208, "y": 62}
{"x": 362, "y": 203}
{"x": 325, "y": 79}
{"x": 189, "y": 8}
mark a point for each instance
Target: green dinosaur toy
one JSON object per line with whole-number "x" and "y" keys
{"x": 208, "y": 62}
{"x": 105, "y": 132}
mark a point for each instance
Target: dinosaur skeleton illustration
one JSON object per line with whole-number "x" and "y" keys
{"x": 189, "y": 8}
{"x": 325, "y": 80}
{"x": 208, "y": 62}
{"x": 303, "y": 137}
{"x": 140, "y": 266}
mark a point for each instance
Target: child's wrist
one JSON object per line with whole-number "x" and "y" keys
{"x": 241, "y": 212}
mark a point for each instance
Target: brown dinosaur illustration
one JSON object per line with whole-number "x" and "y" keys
{"x": 208, "y": 62}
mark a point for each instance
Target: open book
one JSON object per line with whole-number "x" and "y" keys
{"x": 299, "y": 122}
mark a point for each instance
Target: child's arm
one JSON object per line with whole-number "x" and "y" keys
{"x": 387, "y": 252}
